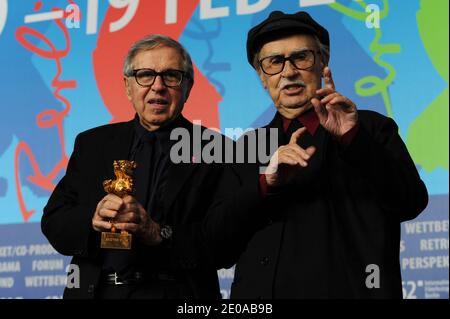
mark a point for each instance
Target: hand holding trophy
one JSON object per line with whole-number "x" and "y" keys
{"x": 121, "y": 186}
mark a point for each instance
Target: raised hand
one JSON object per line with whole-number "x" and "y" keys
{"x": 287, "y": 160}
{"x": 336, "y": 113}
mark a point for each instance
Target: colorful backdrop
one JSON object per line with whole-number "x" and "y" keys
{"x": 61, "y": 61}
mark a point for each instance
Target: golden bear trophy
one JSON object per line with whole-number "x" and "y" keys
{"x": 121, "y": 186}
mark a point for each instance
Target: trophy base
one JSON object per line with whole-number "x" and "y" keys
{"x": 116, "y": 240}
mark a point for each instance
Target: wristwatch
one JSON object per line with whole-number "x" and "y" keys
{"x": 166, "y": 232}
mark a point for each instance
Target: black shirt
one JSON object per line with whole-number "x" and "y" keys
{"x": 151, "y": 151}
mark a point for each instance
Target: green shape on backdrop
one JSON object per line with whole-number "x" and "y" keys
{"x": 427, "y": 138}
{"x": 428, "y": 135}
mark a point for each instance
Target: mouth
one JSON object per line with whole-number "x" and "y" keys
{"x": 158, "y": 103}
{"x": 291, "y": 89}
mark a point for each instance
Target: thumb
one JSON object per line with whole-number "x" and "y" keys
{"x": 320, "y": 110}
{"x": 310, "y": 150}
{"x": 296, "y": 135}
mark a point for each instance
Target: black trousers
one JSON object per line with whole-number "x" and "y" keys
{"x": 146, "y": 290}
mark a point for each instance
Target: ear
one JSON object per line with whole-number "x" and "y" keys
{"x": 127, "y": 87}
{"x": 263, "y": 78}
{"x": 188, "y": 90}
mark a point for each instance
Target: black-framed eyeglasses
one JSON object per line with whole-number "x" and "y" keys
{"x": 146, "y": 77}
{"x": 301, "y": 60}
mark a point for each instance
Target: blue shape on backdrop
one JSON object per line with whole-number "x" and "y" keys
{"x": 24, "y": 95}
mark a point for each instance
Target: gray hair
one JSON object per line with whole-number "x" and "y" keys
{"x": 153, "y": 41}
{"x": 324, "y": 52}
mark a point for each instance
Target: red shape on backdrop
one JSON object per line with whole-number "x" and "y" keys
{"x": 37, "y": 5}
{"x": 112, "y": 48}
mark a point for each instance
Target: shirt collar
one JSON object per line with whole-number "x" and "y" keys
{"x": 163, "y": 130}
{"x": 140, "y": 130}
{"x": 309, "y": 120}
{"x": 162, "y": 135}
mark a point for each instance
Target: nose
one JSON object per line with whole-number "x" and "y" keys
{"x": 289, "y": 69}
{"x": 158, "y": 85}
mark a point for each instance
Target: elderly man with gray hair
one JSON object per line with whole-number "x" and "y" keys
{"x": 333, "y": 195}
{"x": 163, "y": 215}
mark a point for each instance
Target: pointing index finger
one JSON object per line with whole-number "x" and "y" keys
{"x": 328, "y": 79}
{"x": 296, "y": 135}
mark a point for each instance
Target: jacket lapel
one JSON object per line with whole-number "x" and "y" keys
{"x": 118, "y": 146}
{"x": 277, "y": 123}
{"x": 178, "y": 174}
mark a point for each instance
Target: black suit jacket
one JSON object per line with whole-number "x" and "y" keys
{"x": 321, "y": 236}
{"x": 190, "y": 189}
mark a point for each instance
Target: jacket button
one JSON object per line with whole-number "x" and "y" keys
{"x": 91, "y": 288}
{"x": 265, "y": 261}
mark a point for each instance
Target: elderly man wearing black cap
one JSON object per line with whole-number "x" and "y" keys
{"x": 329, "y": 205}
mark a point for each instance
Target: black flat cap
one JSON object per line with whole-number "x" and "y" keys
{"x": 279, "y": 24}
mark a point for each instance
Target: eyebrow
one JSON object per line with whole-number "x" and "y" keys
{"x": 165, "y": 70}
{"x": 273, "y": 54}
